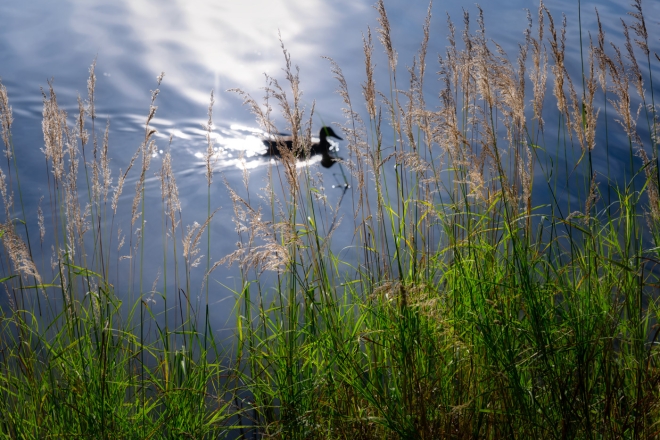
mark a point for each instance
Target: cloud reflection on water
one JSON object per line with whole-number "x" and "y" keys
{"x": 232, "y": 43}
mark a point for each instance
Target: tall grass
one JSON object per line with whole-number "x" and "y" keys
{"x": 500, "y": 283}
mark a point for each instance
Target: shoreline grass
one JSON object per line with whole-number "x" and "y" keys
{"x": 499, "y": 283}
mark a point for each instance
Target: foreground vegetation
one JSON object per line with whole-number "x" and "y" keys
{"x": 500, "y": 283}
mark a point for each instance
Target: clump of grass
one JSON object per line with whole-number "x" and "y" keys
{"x": 500, "y": 283}
{"x": 468, "y": 309}
{"x": 83, "y": 353}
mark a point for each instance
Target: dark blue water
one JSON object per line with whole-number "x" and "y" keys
{"x": 209, "y": 45}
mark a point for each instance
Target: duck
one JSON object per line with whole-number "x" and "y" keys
{"x": 322, "y": 147}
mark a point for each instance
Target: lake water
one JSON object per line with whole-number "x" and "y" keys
{"x": 211, "y": 45}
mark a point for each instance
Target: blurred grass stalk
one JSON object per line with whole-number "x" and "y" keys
{"x": 499, "y": 283}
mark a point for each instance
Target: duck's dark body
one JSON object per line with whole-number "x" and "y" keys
{"x": 322, "y": 147}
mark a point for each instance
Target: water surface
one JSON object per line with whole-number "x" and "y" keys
{"x": 210, "y": 45}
